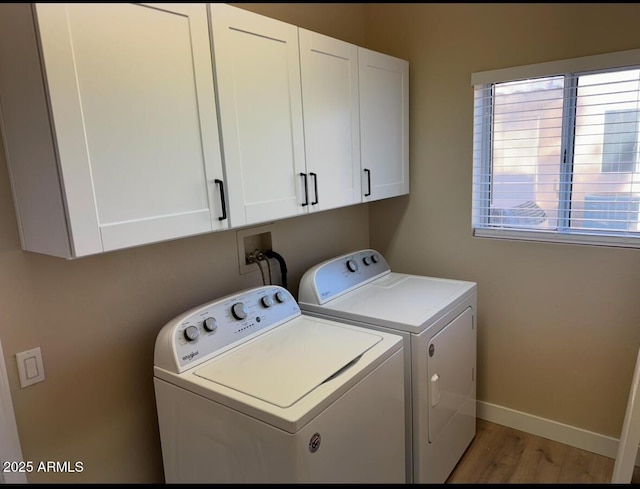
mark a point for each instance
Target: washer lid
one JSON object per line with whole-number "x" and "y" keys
{"x": 283, "y": 366}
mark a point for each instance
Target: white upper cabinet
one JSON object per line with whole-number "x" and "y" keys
{"x": 257, "y": 68}
{"x": 330, "y": 100}
{"x": 128, "y": 124}
{"x": 384, "y": 124}
{"x": 109, "y": 119}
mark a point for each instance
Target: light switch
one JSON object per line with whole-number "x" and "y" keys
{"x": 30, "y": 367}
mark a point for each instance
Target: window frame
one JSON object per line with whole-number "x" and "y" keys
{"x": 571, "y": 69}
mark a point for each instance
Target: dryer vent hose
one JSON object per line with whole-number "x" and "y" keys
{"x": 283, "y": 265}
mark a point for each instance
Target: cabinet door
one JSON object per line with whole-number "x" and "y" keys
{"x": 329, "y": 69}
{"x": 257, "y": 69}
{"x": 133, "y": 109}
{"x": 384, "y": 124}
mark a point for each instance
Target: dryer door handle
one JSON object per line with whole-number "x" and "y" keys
{"x": 434, "y": 390}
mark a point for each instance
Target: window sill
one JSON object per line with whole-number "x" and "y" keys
{"x": 565, "y": 238}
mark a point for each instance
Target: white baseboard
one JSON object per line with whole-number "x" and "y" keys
{"x": 552, "y": 430}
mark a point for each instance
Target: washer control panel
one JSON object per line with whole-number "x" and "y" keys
{"x": 337, "y": 276}
{"x": 215, "y": 327}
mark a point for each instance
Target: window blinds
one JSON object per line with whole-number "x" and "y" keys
{"x": 559, "y": 155}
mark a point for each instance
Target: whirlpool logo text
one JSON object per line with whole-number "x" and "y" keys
{"x": 190, "y": 356}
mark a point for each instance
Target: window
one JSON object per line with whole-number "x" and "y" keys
{"x": 556, "y": 151}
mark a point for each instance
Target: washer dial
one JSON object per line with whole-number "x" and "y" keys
{"x": 239, "y": 310}
{"x": 191, "y": 333}
{"x": 210, "y": 324}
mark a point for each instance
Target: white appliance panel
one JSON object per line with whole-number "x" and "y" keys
{"x": 426, "y": 311}
{"x": 333, "y": 278}
{"x": 213, "y": 443}
{"x": 346, "y": 417}
{"x": 451, "y": 372}
{"x": 263, "y": 368}
{"x": 294, "y": 417}
{"x": 399, "y": 301}
{"x": 207, "y": 442}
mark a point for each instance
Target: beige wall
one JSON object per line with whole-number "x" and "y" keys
{"x": 558, "y": 325}
{"x": 96, "y": 318}
{"x": 340, "y": 20}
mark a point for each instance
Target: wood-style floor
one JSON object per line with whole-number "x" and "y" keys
{"x": 499, "y": 454}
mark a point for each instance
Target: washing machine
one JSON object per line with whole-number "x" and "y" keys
{"x": 436, "y": 319}
{"x": 248, "y": 390}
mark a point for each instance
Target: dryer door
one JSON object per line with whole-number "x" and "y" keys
{"x": 451, "y": 359}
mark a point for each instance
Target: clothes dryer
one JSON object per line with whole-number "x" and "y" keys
{"x": 248, "y": 390}
{"x": 436, "y": 319}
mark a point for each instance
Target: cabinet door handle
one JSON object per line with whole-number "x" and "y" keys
{"x": 224, "y": 206}
{"x": 315, "y": 187}
{"x": 306, "y": 190}
{"x": 368, "y": 182}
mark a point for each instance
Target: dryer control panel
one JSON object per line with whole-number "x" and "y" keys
{"x": 215, "y": 327}
{"x": 337, "y": 276}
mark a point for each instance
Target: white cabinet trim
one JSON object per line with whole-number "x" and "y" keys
{"x": 10, "y": 450}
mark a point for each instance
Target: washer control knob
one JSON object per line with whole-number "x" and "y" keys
{"x": 239, "y": 310}
{"x": 191, "y": 333}
{"x": 267, "y": 301}
{"x": 210, "y": 324}
{"x": 352, "y": 266}
{"x": 280, "y": 297}
{"x": 366, "y": 260}
{"x": 375, "y": 258}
